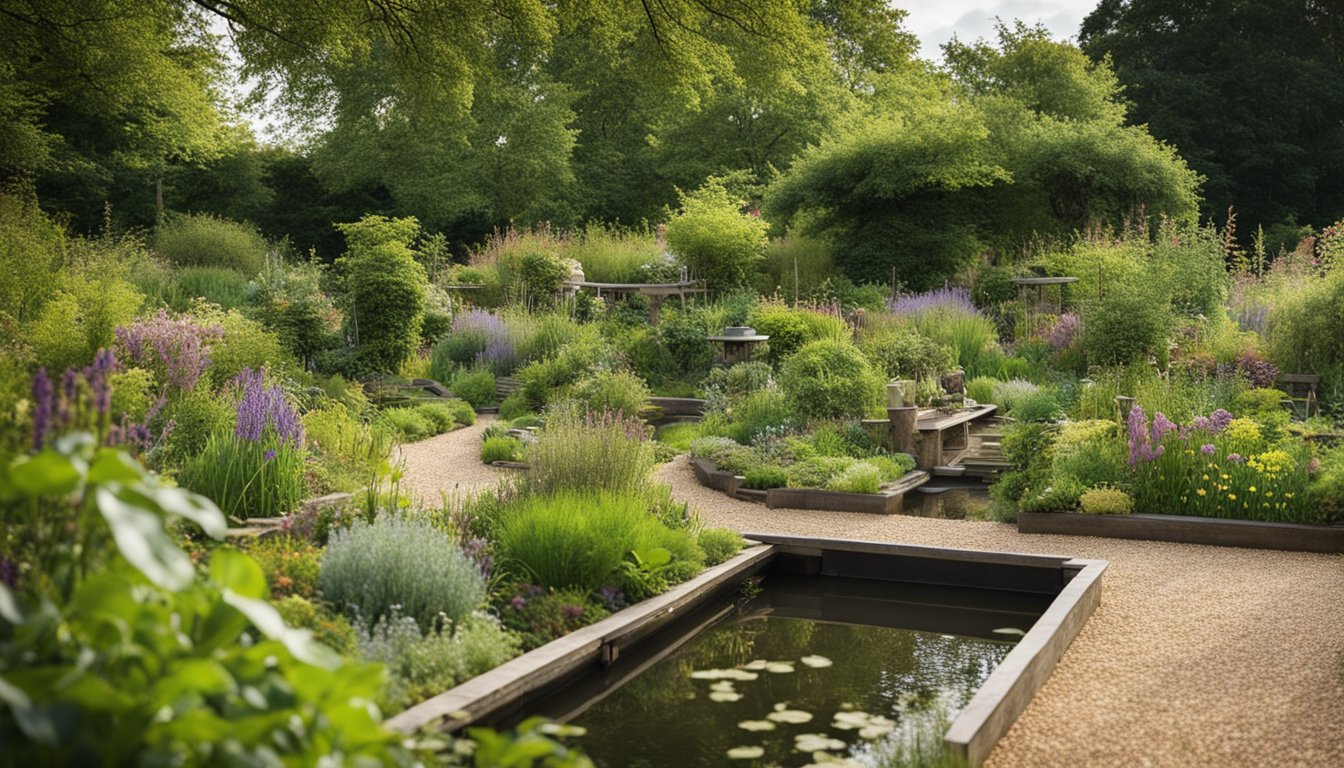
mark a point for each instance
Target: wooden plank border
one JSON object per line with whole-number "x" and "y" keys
{"x": 1183, "y": 529}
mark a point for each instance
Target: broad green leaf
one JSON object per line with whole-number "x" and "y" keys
{"x": 9, "y": 606}
{"x": 203, "y": 676}
{"x": 46, "y": 474}
{"x": 33, "y": 721}
{"x": 194, "y": 507}
{"x": 231, "y": 569}
{"x": 111, "y": 465}
{"x": 267, "y": 620}
{"x": 143, "y": 542}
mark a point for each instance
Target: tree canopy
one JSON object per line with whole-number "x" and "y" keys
{"x": 1251, "y": 92}
{"x": 1018, "y": 140}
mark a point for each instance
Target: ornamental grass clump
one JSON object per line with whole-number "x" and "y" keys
{"x": 586, "y": 451}
{"x": 371, "y": 569}
{"x": 577, "y": 539}
{"x": 255, "y": 470}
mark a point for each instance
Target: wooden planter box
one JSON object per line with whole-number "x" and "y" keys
{"x": 1183, "y": 529}
{"x": 889, "y": 502}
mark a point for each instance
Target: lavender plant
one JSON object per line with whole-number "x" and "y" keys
{"x": 255, "y": 469}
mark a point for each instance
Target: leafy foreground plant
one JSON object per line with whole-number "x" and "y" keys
{"x": 99, "y": 680}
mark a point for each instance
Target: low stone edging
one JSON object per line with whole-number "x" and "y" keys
{"x": 1183, "y": 529}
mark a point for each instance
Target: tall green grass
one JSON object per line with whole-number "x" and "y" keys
{"x": 217, "y": 285}
{"x": 247, "y": 479}
{"x": 973, "y": 338}
{"x": 579, "y": 540}
{"x": 615, "y": 255}
{"x": 590, "y": 452}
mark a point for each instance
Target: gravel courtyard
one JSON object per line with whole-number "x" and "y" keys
{"x": 1198, "y": 656}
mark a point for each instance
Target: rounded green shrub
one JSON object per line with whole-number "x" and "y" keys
{"x": 612, "y": 390}
{"x": 1126, "y": 325}
{"x": 859, "y": 477}
{"x": 1106, "y": 501}
{"x": 719, "y": 544}
{"x": 385, "y": 289}
{"x": 514, "y": 405}
{"x": 712, "y": 237}
{"x": 766, "y": 477}
{"x": 476, "y": 387}
{"x": 439, "y": 415}
{"x": 407, "y": 422}
{"x": 463, "y": 413}
{"x": 202, "y": 240}
{"x": 1040, "y": 406}
{"x": 829, "y": 380}
{"x": 371, "y": 568}
{"x": 501, "y": 448}
{"x": 901, "y": 352}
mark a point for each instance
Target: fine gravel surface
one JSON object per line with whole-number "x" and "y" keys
{"x": 449, "y": 464}
{"x": 1197, "y": 656}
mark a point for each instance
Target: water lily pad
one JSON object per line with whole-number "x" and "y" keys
{"x": 783, "y": 714}
{"x": 756, "y": 725}
{"x": 816, "y": 662}
{"x": 723, "y": 685}
{"x": 779, "y": 667}
{"x": 868, "y": 726}
{"x": 816, "y": 742}
{"x": 724, "y": 696}
{"x": 755, "y": 664}
{"x": 745, "y": 753}
{"x": 1009, "y": 631}
{"x": 723, "y": 674}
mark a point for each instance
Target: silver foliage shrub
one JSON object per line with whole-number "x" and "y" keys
{"x": 369, "y": 569}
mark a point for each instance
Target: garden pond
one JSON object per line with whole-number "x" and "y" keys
{"x": 808, "y": 664}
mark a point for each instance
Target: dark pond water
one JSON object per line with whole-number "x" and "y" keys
{"x": 812, "y": 664}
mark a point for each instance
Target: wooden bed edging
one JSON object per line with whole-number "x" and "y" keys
{"x": 1011, "y": 686}
{"x": 1183, "y": 529}
{"x": 887, "y": 502}
{"x": 491, "y": 691}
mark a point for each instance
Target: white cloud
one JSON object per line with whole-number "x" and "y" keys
{"x": 934, "y": 22}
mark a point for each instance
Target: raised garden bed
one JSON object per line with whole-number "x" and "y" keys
{"x": 1183, "y": 529}
{"x": 890, "y": 501}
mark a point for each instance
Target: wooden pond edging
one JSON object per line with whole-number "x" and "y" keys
{"x": 1010, "y": 687}
{"x": 1183, "y": 529}
{"x": 890, "y": 501}
{"x": 490, "y": 692}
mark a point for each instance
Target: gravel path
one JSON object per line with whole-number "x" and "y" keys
{"x": 1198, "y": 656}
{"x": 449, "y": 463}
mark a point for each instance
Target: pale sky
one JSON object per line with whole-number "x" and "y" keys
{"x": 935, "y": 21}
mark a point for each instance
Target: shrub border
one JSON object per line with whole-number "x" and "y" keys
{"x": 1184, "y": 529}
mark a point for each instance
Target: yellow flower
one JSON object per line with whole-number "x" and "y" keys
{"x": 1289, "y": 494}
{"x": 1206, "y": 477}
{"x": 1232, "y": 496}
{"x": 1251, "y": 489}
{"x": 1226, "y": 476}
{"x": 1202, "y": 492}
{"x": 1269, "y": 493}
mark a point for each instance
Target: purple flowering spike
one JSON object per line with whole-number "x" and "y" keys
{"x": 1162, "y": 426}
{"x": 948, "y": 297}
{"x": 1138, "y": 435}
{"x": 1207, "y": 448}
{"x": 42, "y": 408}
